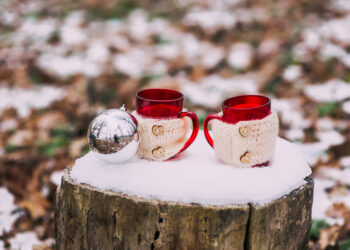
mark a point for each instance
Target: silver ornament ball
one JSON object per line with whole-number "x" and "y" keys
{"x": 113, "y": 135}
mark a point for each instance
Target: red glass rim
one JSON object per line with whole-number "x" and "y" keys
{"x": 174, "y": 95}
{"x": 241, "y": 99}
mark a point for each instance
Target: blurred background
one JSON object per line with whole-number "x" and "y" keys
{"x": 62, "y": 61}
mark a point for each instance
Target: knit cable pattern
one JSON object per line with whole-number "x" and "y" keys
{"x": 246, "y": 143}
{"x": 161, "y": 139}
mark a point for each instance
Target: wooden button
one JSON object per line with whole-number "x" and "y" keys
{"x": 244, "y": 131}
{"x": 245, "y": 158}
{"x": 157, "y": 130}
{"x": 158, "y": 152}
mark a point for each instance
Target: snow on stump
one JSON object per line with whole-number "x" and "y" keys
{"x": 192, "y": 202}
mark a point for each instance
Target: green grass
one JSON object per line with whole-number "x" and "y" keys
{"x": 49, "y": 149}
{"x": 161, "y": 40}
{"x": 328, "y": 109}
{"x": 119, "y": 11}
{"x": 345, "y": 245}
{"x": 316, "y": 226}
{"x": 9, "y": 148}
{"x": 61, "y": 138}
{"x": 271, "y": 86}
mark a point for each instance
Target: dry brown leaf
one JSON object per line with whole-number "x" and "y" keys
{"x": 198, "y": 72}
{"x": 36, "y": 205}
{"x": 127, "y": 87}
{"x": 329, "y": 236}
{"x": 340, "y": 191}
{"x": 345, "y": 230}
{"x": 51, "y": 119}
{"x": 20, "y": 76}
{"x": 179, "y": 62}
{"x": 168, "y": 83}
{"x": 75, "y": 148}
{"x": 337, "y": 210}
{"x": 267, "y": 71}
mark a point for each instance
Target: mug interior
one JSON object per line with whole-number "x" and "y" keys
{"x": 245, "y": 108}
{"x": 159, "y": 103}
{"x": 159, "y": 95}
{"x": 247, "y": 102}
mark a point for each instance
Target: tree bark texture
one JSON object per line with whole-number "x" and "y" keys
{"x": 88, "y": 218}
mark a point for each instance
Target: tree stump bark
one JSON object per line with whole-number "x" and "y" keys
{"x": 87, "y": 218}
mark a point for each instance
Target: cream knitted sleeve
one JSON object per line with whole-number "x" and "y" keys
{"x": 246, "y": 143}
{"x": 161, "y": 139}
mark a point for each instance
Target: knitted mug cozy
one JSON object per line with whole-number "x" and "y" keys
{"x": 246, "y": 143}
{"x": 161, "y": 139}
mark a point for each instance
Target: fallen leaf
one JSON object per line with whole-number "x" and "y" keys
{"x": 75, "y": 148}
{"x": 36, "y": 205}
{"x": 329, "y": 236}
{"x": 50, "y": 120}
{"x": 337, "y": 210}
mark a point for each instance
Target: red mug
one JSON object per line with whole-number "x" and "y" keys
{"x": 165, "y": 104}
{"x": 240, "y": 108}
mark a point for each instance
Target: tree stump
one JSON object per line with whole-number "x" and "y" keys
{"x": 88, "y": 218}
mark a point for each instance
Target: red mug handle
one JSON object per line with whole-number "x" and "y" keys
{"x": 195, "y": 128}
{"x": 206, "y": 128}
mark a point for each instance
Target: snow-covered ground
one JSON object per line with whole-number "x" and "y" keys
{"x": 23, "y": 100}
{"x": 205, "y": 70}
{"x": 8, "y": 214}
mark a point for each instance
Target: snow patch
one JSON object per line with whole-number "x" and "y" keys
{"x": 212, "y": 90}
{"x": 39, "y": 30}
{"x": 321, "y": 200}
{"x": 331, "y": 137}
{"x": 7, "y": 207}
{"x": 289, "y": 109}
{"x": 295, "y": 134}
{"x": 346, "y": 107}
{"x": 132, "y": 63}
{"x": 212, "y": 55}
{"x": 26, "y": 99}
{"x": 325, "y": 123}
{"x": 311, "y": 38}
{"x": 292, "y": 73}
{"x": 198, "y": 176}
{"x": 210, "y": 20}
{"x": 251, "y": 14}
{"x": 138, "y": 25}
{"x": 338, "y": 175}
{"x": 190, "y": 47}
{"x": 56, "y": 177}
{"x": 345, "y": 161}
{"x": 337, "y": 29}
{"x": 167, "y": 51}
{"x": 330, "y": 50}
{"x": 71, "y": 35}
{"x": 267, "y": 47}
{"x": 332, "y": 91}
{"x": 341, "y": 5}
{"x": 8, "y": 18}
{"x": 64, "y": 67}
{"x": 24, "y": 241}
{"x": 240, "y": 55}
{"x": 8, "y": 125}
{"x": 97, "y": 52}
{"x": 313, "y": 151}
